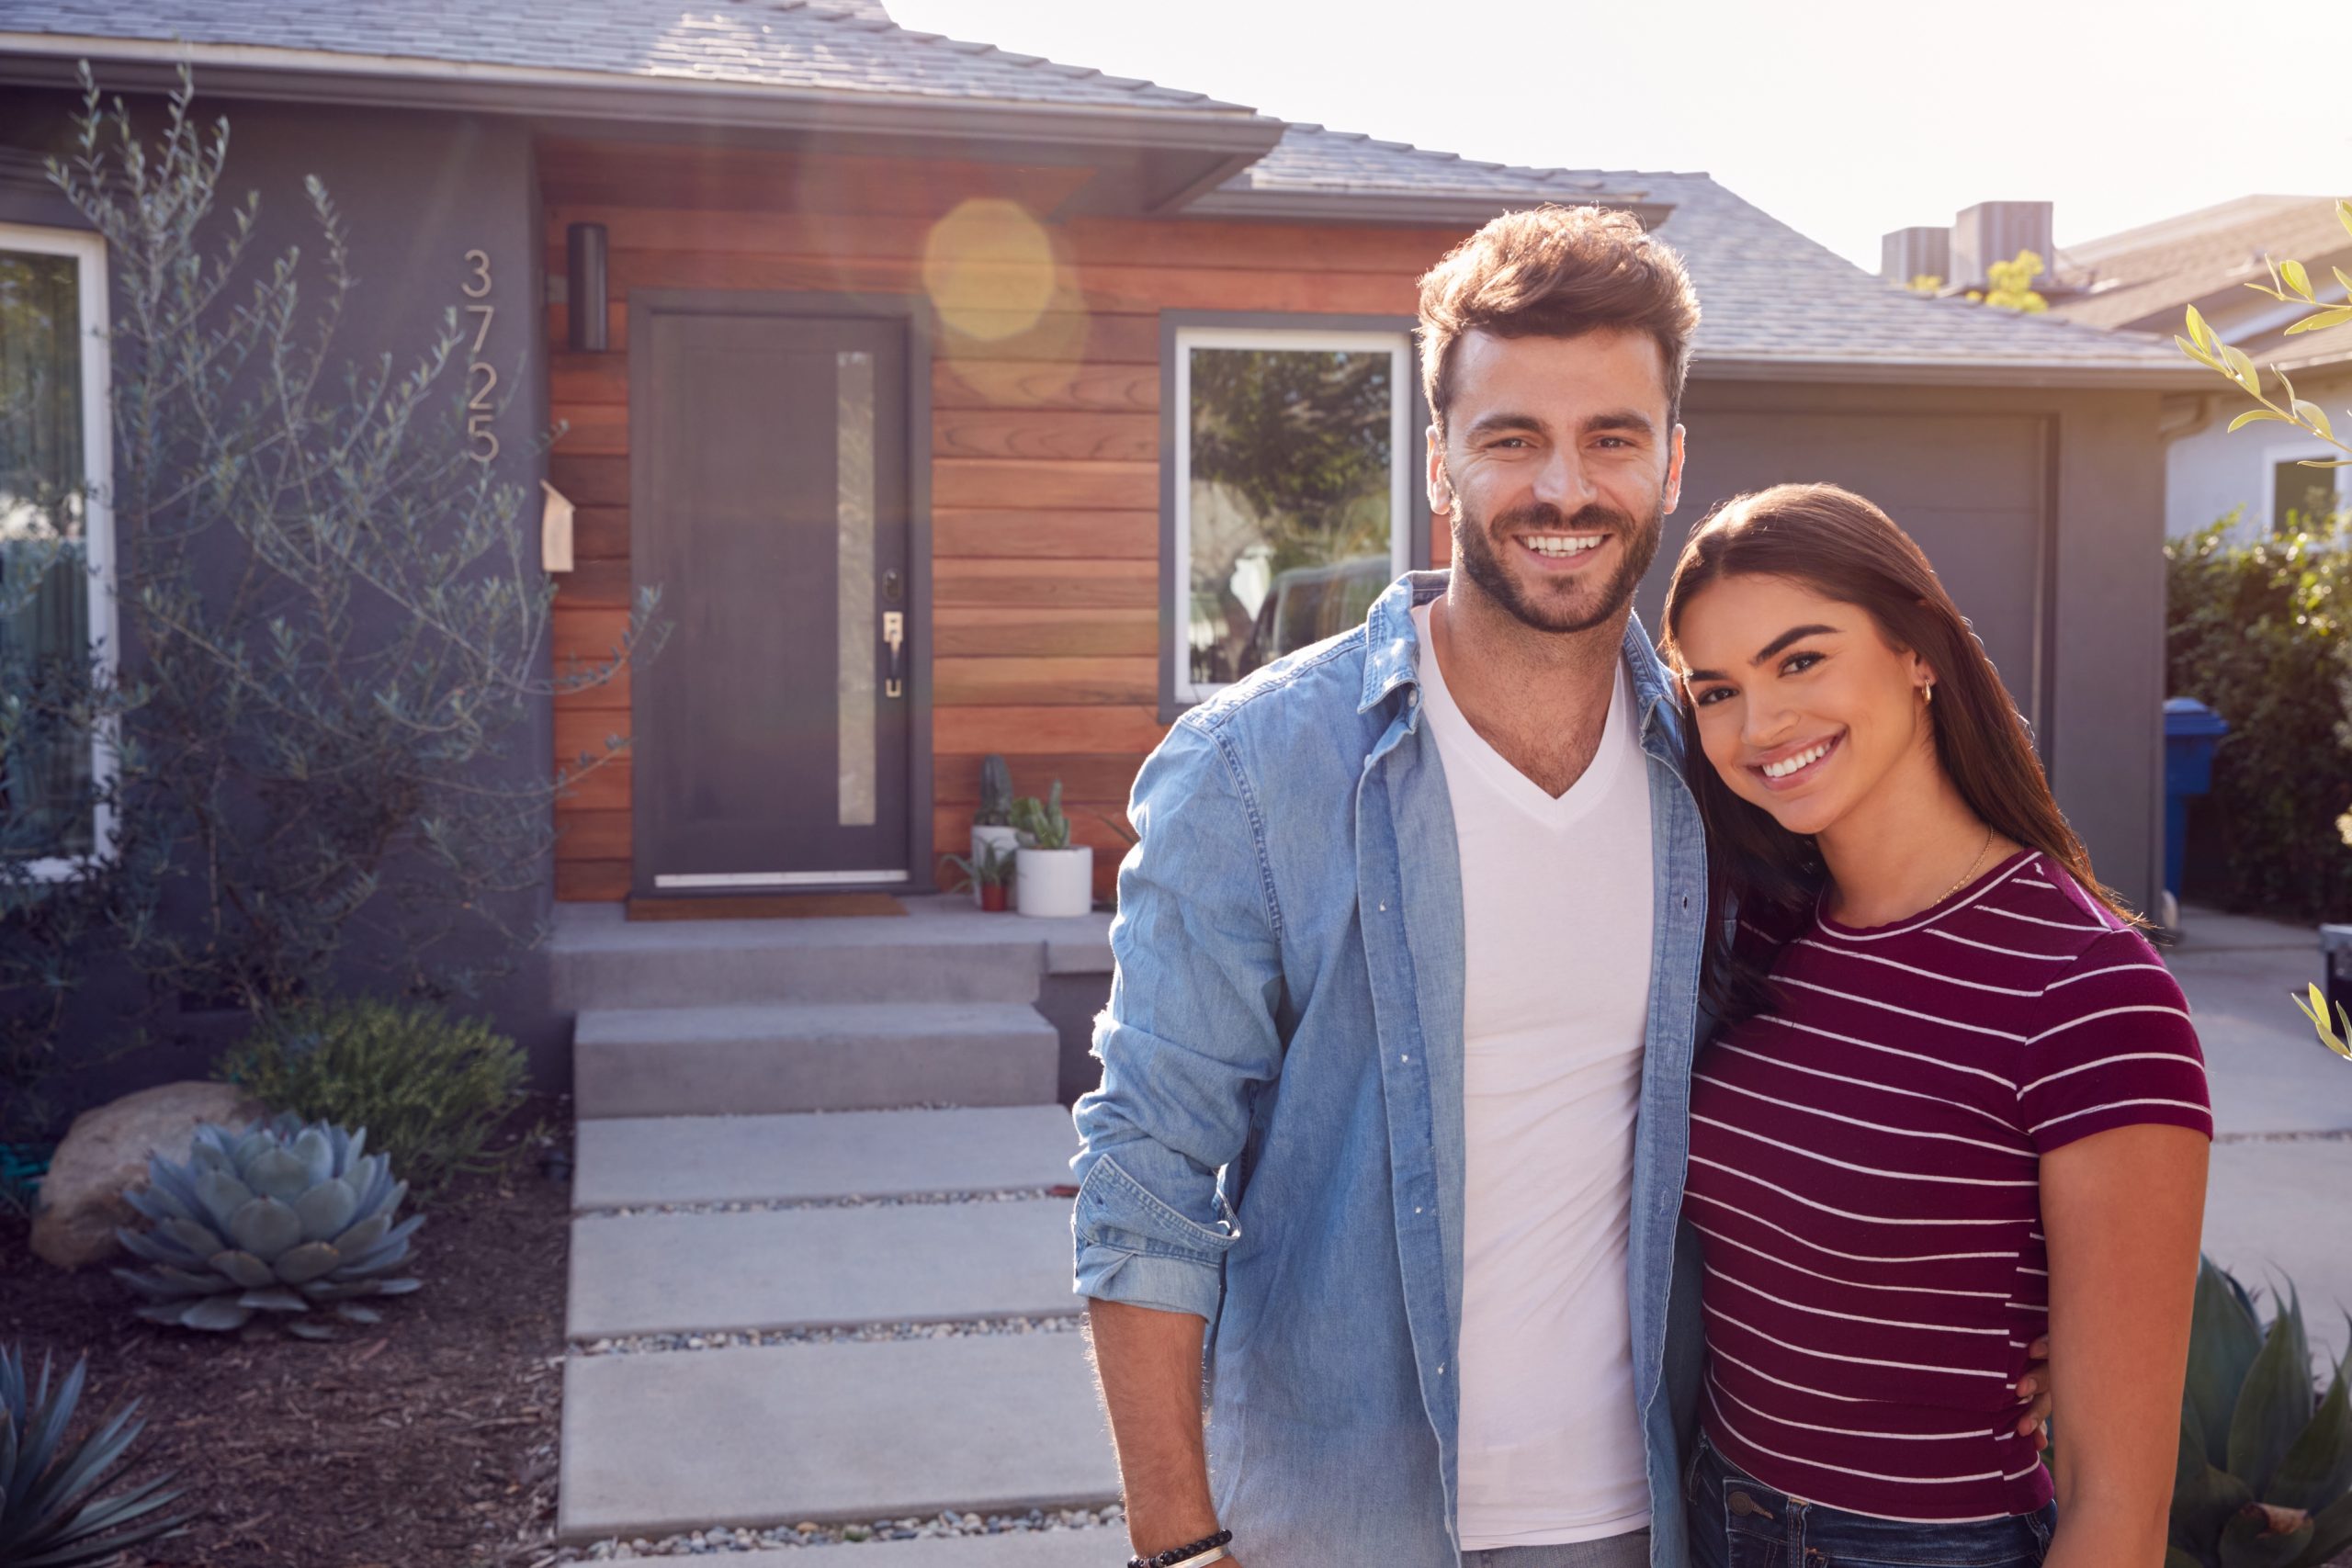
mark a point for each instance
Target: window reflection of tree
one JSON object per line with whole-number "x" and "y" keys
{"x": 1290, "y": 469}
{"x": 44, "y": 589}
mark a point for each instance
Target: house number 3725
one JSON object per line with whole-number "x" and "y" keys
{"x": 481, "y": 378}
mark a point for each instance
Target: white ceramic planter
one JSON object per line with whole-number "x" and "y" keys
{"x": 1055, "y": 882}
{"x": 1005, "y": 839}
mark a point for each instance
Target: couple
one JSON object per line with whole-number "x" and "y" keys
{"x": 1582, "y": 1111}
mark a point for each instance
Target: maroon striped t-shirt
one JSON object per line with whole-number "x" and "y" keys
{"x": 1864, "y": 1179}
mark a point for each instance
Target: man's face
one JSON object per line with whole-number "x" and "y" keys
{"x": 1557, "y": 468}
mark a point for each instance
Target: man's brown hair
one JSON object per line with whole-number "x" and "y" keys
{"x": 1557, "y": 272}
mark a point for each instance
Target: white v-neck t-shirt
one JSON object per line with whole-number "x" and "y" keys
{"x": 1556, "y": 903}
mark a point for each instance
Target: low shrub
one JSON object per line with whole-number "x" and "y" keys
{"x": 2261, "y": 633}
{"x": 2264, "y": 1478}
{"x": 48, "y": 1518}
{"x": 429, "y": 1090}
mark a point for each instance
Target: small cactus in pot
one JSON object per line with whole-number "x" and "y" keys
{"x": 279, "y": 1218}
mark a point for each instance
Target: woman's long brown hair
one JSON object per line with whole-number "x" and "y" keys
{"x": 1842, "y": 547}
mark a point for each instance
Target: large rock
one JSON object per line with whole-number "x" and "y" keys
{"x": 104, "y": 1154}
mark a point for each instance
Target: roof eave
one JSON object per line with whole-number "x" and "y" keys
{"x": 1925, "y": 371}
{"x": 385, "y": 82}
{"x": 1409, "y": 208}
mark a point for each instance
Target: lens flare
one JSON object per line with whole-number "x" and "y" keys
{"x": 989, "y": 269}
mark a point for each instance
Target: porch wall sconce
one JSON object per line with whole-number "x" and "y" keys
{"x": 583, "y": 246}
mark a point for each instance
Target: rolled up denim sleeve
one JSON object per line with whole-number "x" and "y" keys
{"x": 1188, "y": 1040}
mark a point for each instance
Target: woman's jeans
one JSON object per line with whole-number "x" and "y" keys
{"x": 1737, "y": 1521}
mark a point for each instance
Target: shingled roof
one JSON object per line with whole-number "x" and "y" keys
{"x": 2146, "y": 278}
{"x": 1771, "y": 297}
{"x": 1776, "y": 303}
{"x": 848, "y": 47}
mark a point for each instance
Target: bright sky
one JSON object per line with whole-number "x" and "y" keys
{"x": 1841, "y": 117}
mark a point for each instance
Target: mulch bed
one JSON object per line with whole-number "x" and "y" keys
{"x": 424, "y": 1440}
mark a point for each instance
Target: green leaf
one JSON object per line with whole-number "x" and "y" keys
{"x": 2254, "y": 1537}
{"x": 2318, "y": 1468}
{"x": 2242, "y": 368}
{"x": 2330, "y": 1533}
{"x": 2223, "y": 1341}
{"x": 2297, "y": 278}
{"x": 2335, "y": 317}
{"x": 2314, "y": 417}
{"x": 2276, "y": 1403}
{"x": 2203, "y": 1504}
{"x": 2344, "y": 214}
{"x": 2254, "y": 415}
{"x": 2344, "y": 279}
{"x": 217, "y": 1314}
{"x": 2199, "y": 331}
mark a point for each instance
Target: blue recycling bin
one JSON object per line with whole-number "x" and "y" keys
{"x": 2192, "y": 731}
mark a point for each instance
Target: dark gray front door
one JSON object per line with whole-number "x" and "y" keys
{"x": 769, "y": 490}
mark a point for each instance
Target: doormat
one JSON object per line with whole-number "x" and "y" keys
{"x": 765, "y": 907}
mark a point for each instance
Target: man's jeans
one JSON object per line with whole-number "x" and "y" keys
{"x": 1618, "y": 1552}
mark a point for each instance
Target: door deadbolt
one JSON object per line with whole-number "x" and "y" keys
{"x": 894, "y": 637}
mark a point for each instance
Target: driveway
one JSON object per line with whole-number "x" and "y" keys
{"x": 2281, "y": 1203}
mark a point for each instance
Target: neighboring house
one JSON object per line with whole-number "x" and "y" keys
{"x": 2144, "y": 279}
{"x": 936, "y": 390}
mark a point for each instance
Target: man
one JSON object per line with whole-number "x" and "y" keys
{"x": 1397, "y": 1060}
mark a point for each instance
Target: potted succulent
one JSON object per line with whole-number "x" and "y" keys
{"x": 988, "y": 874}
{"x": 991, "y": 824}
{"x": 1054, "y": 877}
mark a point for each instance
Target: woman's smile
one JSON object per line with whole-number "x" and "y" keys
{"x": 1789, "y": 767}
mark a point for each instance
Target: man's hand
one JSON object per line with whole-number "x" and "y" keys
{"x": 2034, "y": 1388}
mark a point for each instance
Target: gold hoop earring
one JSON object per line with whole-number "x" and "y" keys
{"x": 1928, "y": 692}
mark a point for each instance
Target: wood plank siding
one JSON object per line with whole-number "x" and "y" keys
{"x": 1045, "y": 438}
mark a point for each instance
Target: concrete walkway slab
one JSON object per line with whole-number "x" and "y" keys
{"x": 2269, "y": 1073}
{"x": 2282, "y": 1210}
{"x": 1103, "y": 1547}
{"x": 655, "y": 1444}
{"x": 626, "y": 1161}
{"x": 773, "y": 1057}
{"x": 817, "y": 1267}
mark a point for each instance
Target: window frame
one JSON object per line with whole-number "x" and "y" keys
{"x": 2277, "y": 453}
{"x": 1179, "y": 333}
{"x": 91, "y": 284}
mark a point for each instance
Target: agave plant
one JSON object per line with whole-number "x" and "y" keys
{"x": 277, "y": 1218}
{"x": 47, "y": 1517}
{"x": 2265, "y": 1479}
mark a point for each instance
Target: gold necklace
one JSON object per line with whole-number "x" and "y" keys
{"x": 1972, "y": 866}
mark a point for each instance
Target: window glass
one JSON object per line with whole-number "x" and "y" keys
{"x": 44, "y": 564}
{"x": 1290, "y": 519}
{"x": 2300, "y": 496}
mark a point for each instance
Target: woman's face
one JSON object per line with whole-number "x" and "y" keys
{"x": 1803, "y": 707}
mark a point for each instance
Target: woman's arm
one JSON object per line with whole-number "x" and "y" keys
{"x": 2122, "y": 1211}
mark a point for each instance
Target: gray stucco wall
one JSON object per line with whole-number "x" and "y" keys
{"x": 416, "y": 193}
{"x": 2044, "y": 512}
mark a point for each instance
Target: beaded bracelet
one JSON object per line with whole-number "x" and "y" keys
{"x": 1175, "y": 1554}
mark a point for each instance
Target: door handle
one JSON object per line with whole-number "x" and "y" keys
{"x": 894, "y": 635}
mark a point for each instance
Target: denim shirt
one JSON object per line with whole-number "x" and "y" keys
{"x": 1277, "y": 1142}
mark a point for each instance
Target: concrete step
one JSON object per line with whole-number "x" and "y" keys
{"x": 740, "y": 962}
{"x": 623, "y": 1161}
{"x": 655, "y": 1444}
{"x": 820, "y": 1267}
{"x": 688, "y": 1061}
{"x": 1102, "y": 1546}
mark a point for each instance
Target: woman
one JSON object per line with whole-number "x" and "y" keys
{"x": 1955, "y": 1096}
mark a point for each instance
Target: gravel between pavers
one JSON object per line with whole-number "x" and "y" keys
{"x": 857, "y": 1333}
{"x": 892, "y": 1201}
{"x": 718, "y": 1540}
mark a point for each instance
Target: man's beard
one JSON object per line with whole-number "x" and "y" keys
{"x": 1583, "y": 607}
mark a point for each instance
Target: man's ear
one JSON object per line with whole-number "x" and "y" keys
{"x": 1440, "y": 488}
{"x": 1671, "y": 497}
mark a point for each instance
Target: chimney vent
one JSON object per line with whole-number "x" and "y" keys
{"x": 1996, "y": 231}
{"x": 1907, "y": 254}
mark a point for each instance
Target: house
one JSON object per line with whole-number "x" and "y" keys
{"x": 2146, "y": 279}
{"x": 930, "y": 383}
